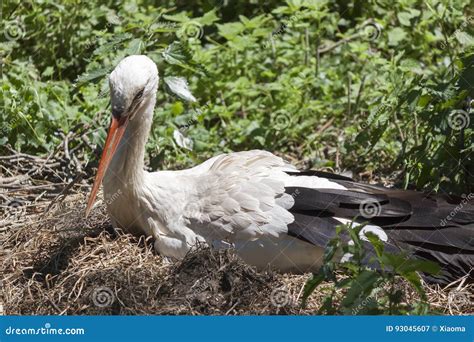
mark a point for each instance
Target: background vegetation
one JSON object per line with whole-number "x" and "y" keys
{"x": 371, "y": 86}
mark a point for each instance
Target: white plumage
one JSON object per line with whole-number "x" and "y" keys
{"x": 253, "y": 201}
{"x": 235, "y": 199}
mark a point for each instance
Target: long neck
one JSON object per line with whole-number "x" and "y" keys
{"x": 126, "y": 167}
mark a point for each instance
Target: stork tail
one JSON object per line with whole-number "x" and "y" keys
{"x": 429, "y": 227}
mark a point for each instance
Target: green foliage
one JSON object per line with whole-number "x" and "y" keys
{"x": 361, "y": 85}
{"x": 359, "y": 290}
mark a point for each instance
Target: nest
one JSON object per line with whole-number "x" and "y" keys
{"x": 68, "y": 265}
{"x": 54, "y": 261}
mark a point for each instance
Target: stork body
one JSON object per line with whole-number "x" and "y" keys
{"x": 272, "y": 214}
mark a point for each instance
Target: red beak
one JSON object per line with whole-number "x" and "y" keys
{"x": 116, "y": 131}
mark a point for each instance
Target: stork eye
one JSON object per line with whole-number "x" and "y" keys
{"x": 139, "y": 95}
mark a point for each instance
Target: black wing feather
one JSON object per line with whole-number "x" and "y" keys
{"x": 430, "y": 227}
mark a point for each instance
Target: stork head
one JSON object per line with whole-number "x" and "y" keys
{"x": 133, "y": 83}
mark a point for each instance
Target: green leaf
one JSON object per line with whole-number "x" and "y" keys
{"x": 414, "y": 279}
{"x": 135, "y": 47}
{"x": 311, "y": 285}
{"x": 48, "y": 71}
{"x": 181, "y": 17}
{"x": 177, "y": 53}
{"x": 111, "y": 45}
{"x": 331, "y": 250}
{"x": 426, "y": 266}
{"x": 376, "y": 242}
{"x": 230, "y": 30}
{"x": 405, "y": 17}
{"x": 94, "y": 75}
{"x": 396, "y": 35}
{"x": 328, "y": 306}
{"x": 209, "y": 18}
{"x": 361, "y": 286}
{"x": 177, "y": 108}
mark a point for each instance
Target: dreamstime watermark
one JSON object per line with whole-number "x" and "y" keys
{"x": 14, "y": 209}
{"x": 371, "y": 30}
{"x": 460, "y": 32}
{"x": 459, "y": 298}
{"x": 14, "y": 30}
{"x": 281, "y": 120}
{"x": 189, "y": 123}
{"x": 219, "y": 3}
{"x": 103, "y": 297}
{"x": 17, "y": 105}
{"x": 281, "y": 297}
{"x": 381, "y": 109}
{"x": 46, "y": 330}
{"x": 182, "y": 49}
{"x": 298, "y": 80}
{"x": 113, "y": 197}
{"x": 195, "y": 208}
{"x": 282, "y": 28}
{"x": 295, "y": 193}
{"x": 112, "y": 20}
{"x": 367, "y": 302}
{"x": 8, "y": 125}
{"x": 199, "y": 286}
{"x": 369, "y": 208}
{"x": 194, "y": 120}
{"x": 372, "y": 300}
{"x": 191, "y": 29}
{"x": 457, "y": 209}
{"x": 459, "y": 119}
{"x": 166, "y": 24}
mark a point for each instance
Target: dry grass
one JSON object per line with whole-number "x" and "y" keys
{"x": 60, "y": 263}
{"x": 56, "y": 262}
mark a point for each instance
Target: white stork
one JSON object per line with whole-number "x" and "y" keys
{"x": 254, "y": 201}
